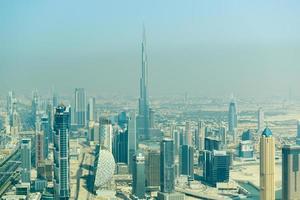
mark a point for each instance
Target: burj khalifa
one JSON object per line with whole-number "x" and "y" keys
{"x": 143, "y": 119}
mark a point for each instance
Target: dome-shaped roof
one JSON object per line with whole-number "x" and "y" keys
{"x": 267, "y": 132}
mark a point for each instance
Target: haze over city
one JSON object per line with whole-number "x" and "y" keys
{"x": 204, "y": 48}
{"x": 149, "y": 100}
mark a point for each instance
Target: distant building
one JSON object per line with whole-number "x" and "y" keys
{"x": 143, "y": 118}
{"x": 138, "y": 176}
{"x": 167, "y": 171}
{"x": 25, "y": 160}
{"x": 267, "y": 165}
{"x": 216, "y": 167}
{"x": 246, "y": 149}
{"x": 186, "y": 161}
{"x": 232, "y": 116}
{"x": 153, "y": 170}
{"x": 132, "y": 143}
{"x": 199, "y": 136}
{"x": 298, "y": 133}
{"x": 61, "y": 153}
{"x": 120, "y": 146}
{"x": 80, "y": 107}
{"x": 106, "y": 133}
{"x": 91, "y": 110}
{"x": 211, "y": 144}
{"x": 47, "y": 131}
{"x": 290, "y": 172}
{"x": 188, "y": 134}
{"x": 232, "y": 119}
{"x": 260, "y": 119}
{"x": 247, "y": 135}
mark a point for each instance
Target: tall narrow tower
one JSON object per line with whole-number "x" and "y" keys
{"x": 143, "y": 118}
{"x": 80, "y": 107}
{"x": 61, "y": 153}
{"x": 267, "y": 165}
{"x": 260, "y": 119}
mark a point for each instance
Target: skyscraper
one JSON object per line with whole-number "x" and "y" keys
{"x": 138, "y": 176}
{"x": 186, "y": 161}
{"x": 34, "y": 108}
{"x": 61, "y": 153}
{"x": 46, "y": 130}
{"x": 167, "y": 169}
{"x": 267, "y": 165}
{"x": 91, "y": 110}
{"x": 216, "y": 167}
{"x": 25, "y": 160}
{"x": 143, "y": 118}
{"x": 120, "y": 147}
{"x": 188, "y": 134}
{"x": 298, "y": 133}
{"x": 260, "y": 119}
{"x": 199, "y": 136}
{"x": 153, "y": 170}
{"x": 232, "y": 119}
{"x": 290, "y": 172}
{"x": 106, "y": 132}
{"x": 131, "y": 140}
{"x": 80, "y": 107}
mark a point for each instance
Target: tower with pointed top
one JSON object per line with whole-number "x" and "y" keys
{"x": 143, "y": 118}
{"x": 267, "y": 165}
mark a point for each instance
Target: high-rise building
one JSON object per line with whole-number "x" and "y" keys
{"x": 222, "y": 136}
{"x": 25, "y": 160}
{"x": 61, "y": 153}
{"x": 153, "y": 170}
{"x": 132, "y": 145}
{"x": 260, "y": 119}
{"x": 176, "y": 139}
{"x": 167, "y": 167}
{"x": 39, "y": 145}
{"x": 290, "y": 172}
{"x": 106, "y": 133}
{"x": 188, "y": 134}
{"x": 199, "y": 136}
{"x": 138, "y": 176}
{"x": 211, "y": 144}
{"x": 298, "y": 133}
{"x": 186, "y": 161}
{"x": 34, "y": 108}
{"x": 120, "y": 147}
{"x": 49, "y": 113}
{"x": 80, "y": 107}
{"x": 143, "y": 118}
{"x": 216, "y": 167}
{"x": 46, "y": 130}
{"x": 267, "y": 165}
{"x": 91, "y": 109}
{"x": 232, "y": 119}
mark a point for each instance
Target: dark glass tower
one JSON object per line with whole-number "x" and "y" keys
{"x": 186, "y": 159}
{"x": 290, "y": 172}
{"x": 61, "y": 153}
{"x": 167, "y": 171}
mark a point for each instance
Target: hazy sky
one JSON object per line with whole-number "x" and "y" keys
{"x": 212, "y": 47}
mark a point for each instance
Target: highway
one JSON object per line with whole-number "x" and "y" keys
{"x": 8, "y": 171}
